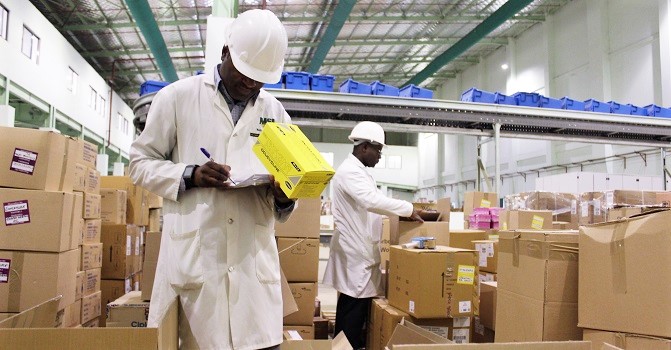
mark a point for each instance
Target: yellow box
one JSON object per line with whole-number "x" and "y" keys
{"x": 296, "y": 164}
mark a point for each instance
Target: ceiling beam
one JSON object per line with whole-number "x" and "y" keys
{"x": 340, "y": 14}
{"x": 500, "y": 16}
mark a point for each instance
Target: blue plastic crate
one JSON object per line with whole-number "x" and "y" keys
{"x": 378, "y": 88}
{"x": 619, "y": 108}
{"x": 322, "y": 82}
{"x": 475, "y": 95}
{"x": 658, "y": 111}
{"x": 571, "y": 104}
{"x": 297, "y": 80}
{"x": 636, "y": 110}
{"x": 549, "y": 102}
{"x": 593, "y": 105}
{"x": 150, "y": 86}
{"x": 278, "y": 85}
{"x": 529, "y": 99}
{"x": 503, "y": 99}
{"x": 415, "y": 91}
{"x": 354, "y": 87}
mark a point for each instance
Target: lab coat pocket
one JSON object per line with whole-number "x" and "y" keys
{"x": 184, "y": 252}
{"x": 266, "y": 257}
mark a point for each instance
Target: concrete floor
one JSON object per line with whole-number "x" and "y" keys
{"x": 326, "y": 294}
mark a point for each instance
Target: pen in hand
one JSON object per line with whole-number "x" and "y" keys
{"x": 207, "y": 154}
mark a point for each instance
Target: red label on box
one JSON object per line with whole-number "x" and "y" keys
{"x": 16, "y": 212}
{"x": 23, "y": 161}
{"x": 4, "y": 270}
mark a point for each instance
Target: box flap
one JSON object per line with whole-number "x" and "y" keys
{"x": 560, "y": 345}
{"x": 44, "y": 315}
{"x": 408, "y": 333}
{"x": 289, "y": 305}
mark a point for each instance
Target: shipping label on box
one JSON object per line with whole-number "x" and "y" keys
{"x": 290, "y": 156}
{"x": 29, "y": 215}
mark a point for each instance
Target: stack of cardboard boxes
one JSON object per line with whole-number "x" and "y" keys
{"x": 298, "y": 246}
{"x": 42, "y": 231}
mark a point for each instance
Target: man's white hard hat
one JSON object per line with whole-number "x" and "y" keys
{"x": 367, "y": 131}
{"x": 257, "y": 42}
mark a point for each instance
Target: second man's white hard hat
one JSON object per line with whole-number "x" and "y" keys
{"x": 367, "y": 131}
{"x": 258, "y": 42}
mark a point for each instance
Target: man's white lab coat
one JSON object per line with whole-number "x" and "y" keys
{"x": 218, "y": 251}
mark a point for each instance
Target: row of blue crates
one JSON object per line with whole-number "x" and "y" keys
{"x": 317, "y": 82}
{"x": 532, "y": 99}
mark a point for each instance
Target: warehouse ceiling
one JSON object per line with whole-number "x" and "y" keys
{"x": 394, "y": 41}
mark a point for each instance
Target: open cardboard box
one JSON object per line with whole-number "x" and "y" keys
{"x": 552, "y": 345}
{"x": 293, "y": 341}
{"x": 45, "y": 316}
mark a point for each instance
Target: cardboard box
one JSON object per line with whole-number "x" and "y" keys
{"x": 338, "y": 343}
{"x": 623, "y": 212}
{"x": 92, "y": 231}
{"x": 559, "y": 345}
{"x": 474, "y": 200}
{"x": 304, "y": 332}
{"x": 488, "y": 304}
{"x": 94, "y": 323}
{"x": 38, "y": 160}
{"x": 113, "y": 206}
{"x": 622, "y": 264}
{"x": 625, "y": 341}
{"x": 526, "y": 220}
{"x": 564, "y": 206}
{"x": 91, "y": 306}
{"x": 112, "y": 290}
{"x": 152, "y": 248}
{"x": 537, "y": 286}
{"x": 77, "y": 221}
{"x": 137, "y": 211}
{"x": 87, "y": 153}
{"x": 79, "y": 181}
{"x": 383, "y": 321}
{"x": 92, "y": 256}
{"x": 37, "y": 220}
{"x": 303, "y": 222}
{"x": 321, "y": 328}
{"x": 464, "y": 238}
{"x": 91, "y": 282}
{"x": 72, "y": 315}
{"x": 409, "y": 229}
{"x": 79, "y": 284}
{"x": 304, "y": 295}
{"x": 91, "y": 206}
{"x": 155, "y": 220}
{"x": 154, "y": 201}
{"x": 442, "y": 206}
{"x": 43, "y": 315}
{"x": 435, "y": 283}
{"x": 481, "y": 334}
{"x": 487, "y": 254}
{"x": 92, "y": 181}
{"x": 296, "y": 164}
{"x": 128, "y": 311}
{"x": 118, "y": 256}
{"x": 408, "y": 333}
{"x": 456, "y": 329}
{"x": 29, "y": 278}
{"x": 163, "y": 337}
{"x": 487, "y": 276}
{"x": 385, "y": 242}
{"x": 299, "y": 258}
{"x": 594, "y": 206}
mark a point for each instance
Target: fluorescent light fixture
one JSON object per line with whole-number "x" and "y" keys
{"x": 504, "y": 66}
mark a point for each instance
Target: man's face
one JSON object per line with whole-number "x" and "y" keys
{"x": 238, "y": 86}
{"x": 372, "y": 154}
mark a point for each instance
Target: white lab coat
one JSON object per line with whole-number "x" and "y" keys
{"x": 354, "y": 261}
{"x": 218, "y": 251}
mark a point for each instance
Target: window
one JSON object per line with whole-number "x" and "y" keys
{"x": 71, "y": 80}
{"x": 125, "y": 126}
{"x": 93, "y": 97}
{"x": 30, "y": 45}
{"x": 101, "y": 105}
{"x": 122, "y": 124}
{"x": 4, "y": 21}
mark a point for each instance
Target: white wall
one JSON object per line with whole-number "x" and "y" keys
{"x": 47, "y": 79}
{"x": 603, "y": 49}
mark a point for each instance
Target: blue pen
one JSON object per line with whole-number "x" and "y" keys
{"x": 207, "y": 154}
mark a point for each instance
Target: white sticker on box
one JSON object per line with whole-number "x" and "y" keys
{"x": 137, "y": 246}
{"x": 127, "y": 286}
{"x": 482, "y": 260}
{"x": 490, "y": 250}
{"x": 294, "y": 335}
{"x": 482, "y": 254}
{"x": 584, "y": 209}
{"x": 129, "y": 246}
{"x": 5, "y": 270}
{"x": 411, "y": 306}
{"x": 610, "y": 199}
{"x": 460, "y": 336}
{"x": 574, "y": 207}
{"x": 464, "y": 306}
{"x": 461, "y": 322}
{"x": 441, "y": 331}
{"x": 597, "y": 207}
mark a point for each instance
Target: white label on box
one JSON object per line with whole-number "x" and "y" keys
{"x": 129, "y": 246}
{"x": 464, "y": 306}
{"x": 127, "y": 286}
{"x": 411, "y": 306}
{"x": 294, "y": 335}
{"x": 610, "y": 198}
{"x": 574, "y": 207}
{"x": 441, "y": 331}
{"x": 597, "y": 207}
{"x": 461, "y": 322}
{"x": 137, "y": 247}
{"x": 16, "y": 212}
{"x": 482, "y": 254}
{"x": 460, "y": 336}
{"x": 584, "y": 209}
{"x": 4, "y": 270}
{"x": 482, "y": 260}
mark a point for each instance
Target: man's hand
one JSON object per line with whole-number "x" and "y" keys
{"x": 212, "y": 174}
{"x": 281, "y": 199}
{"x": 415, "y": 216}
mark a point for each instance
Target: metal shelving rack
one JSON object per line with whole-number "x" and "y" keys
{"x": 343, "y": 111}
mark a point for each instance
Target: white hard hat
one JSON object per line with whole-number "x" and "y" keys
{"x": 258, "y": 42}
{"x": 367, "y": 131}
